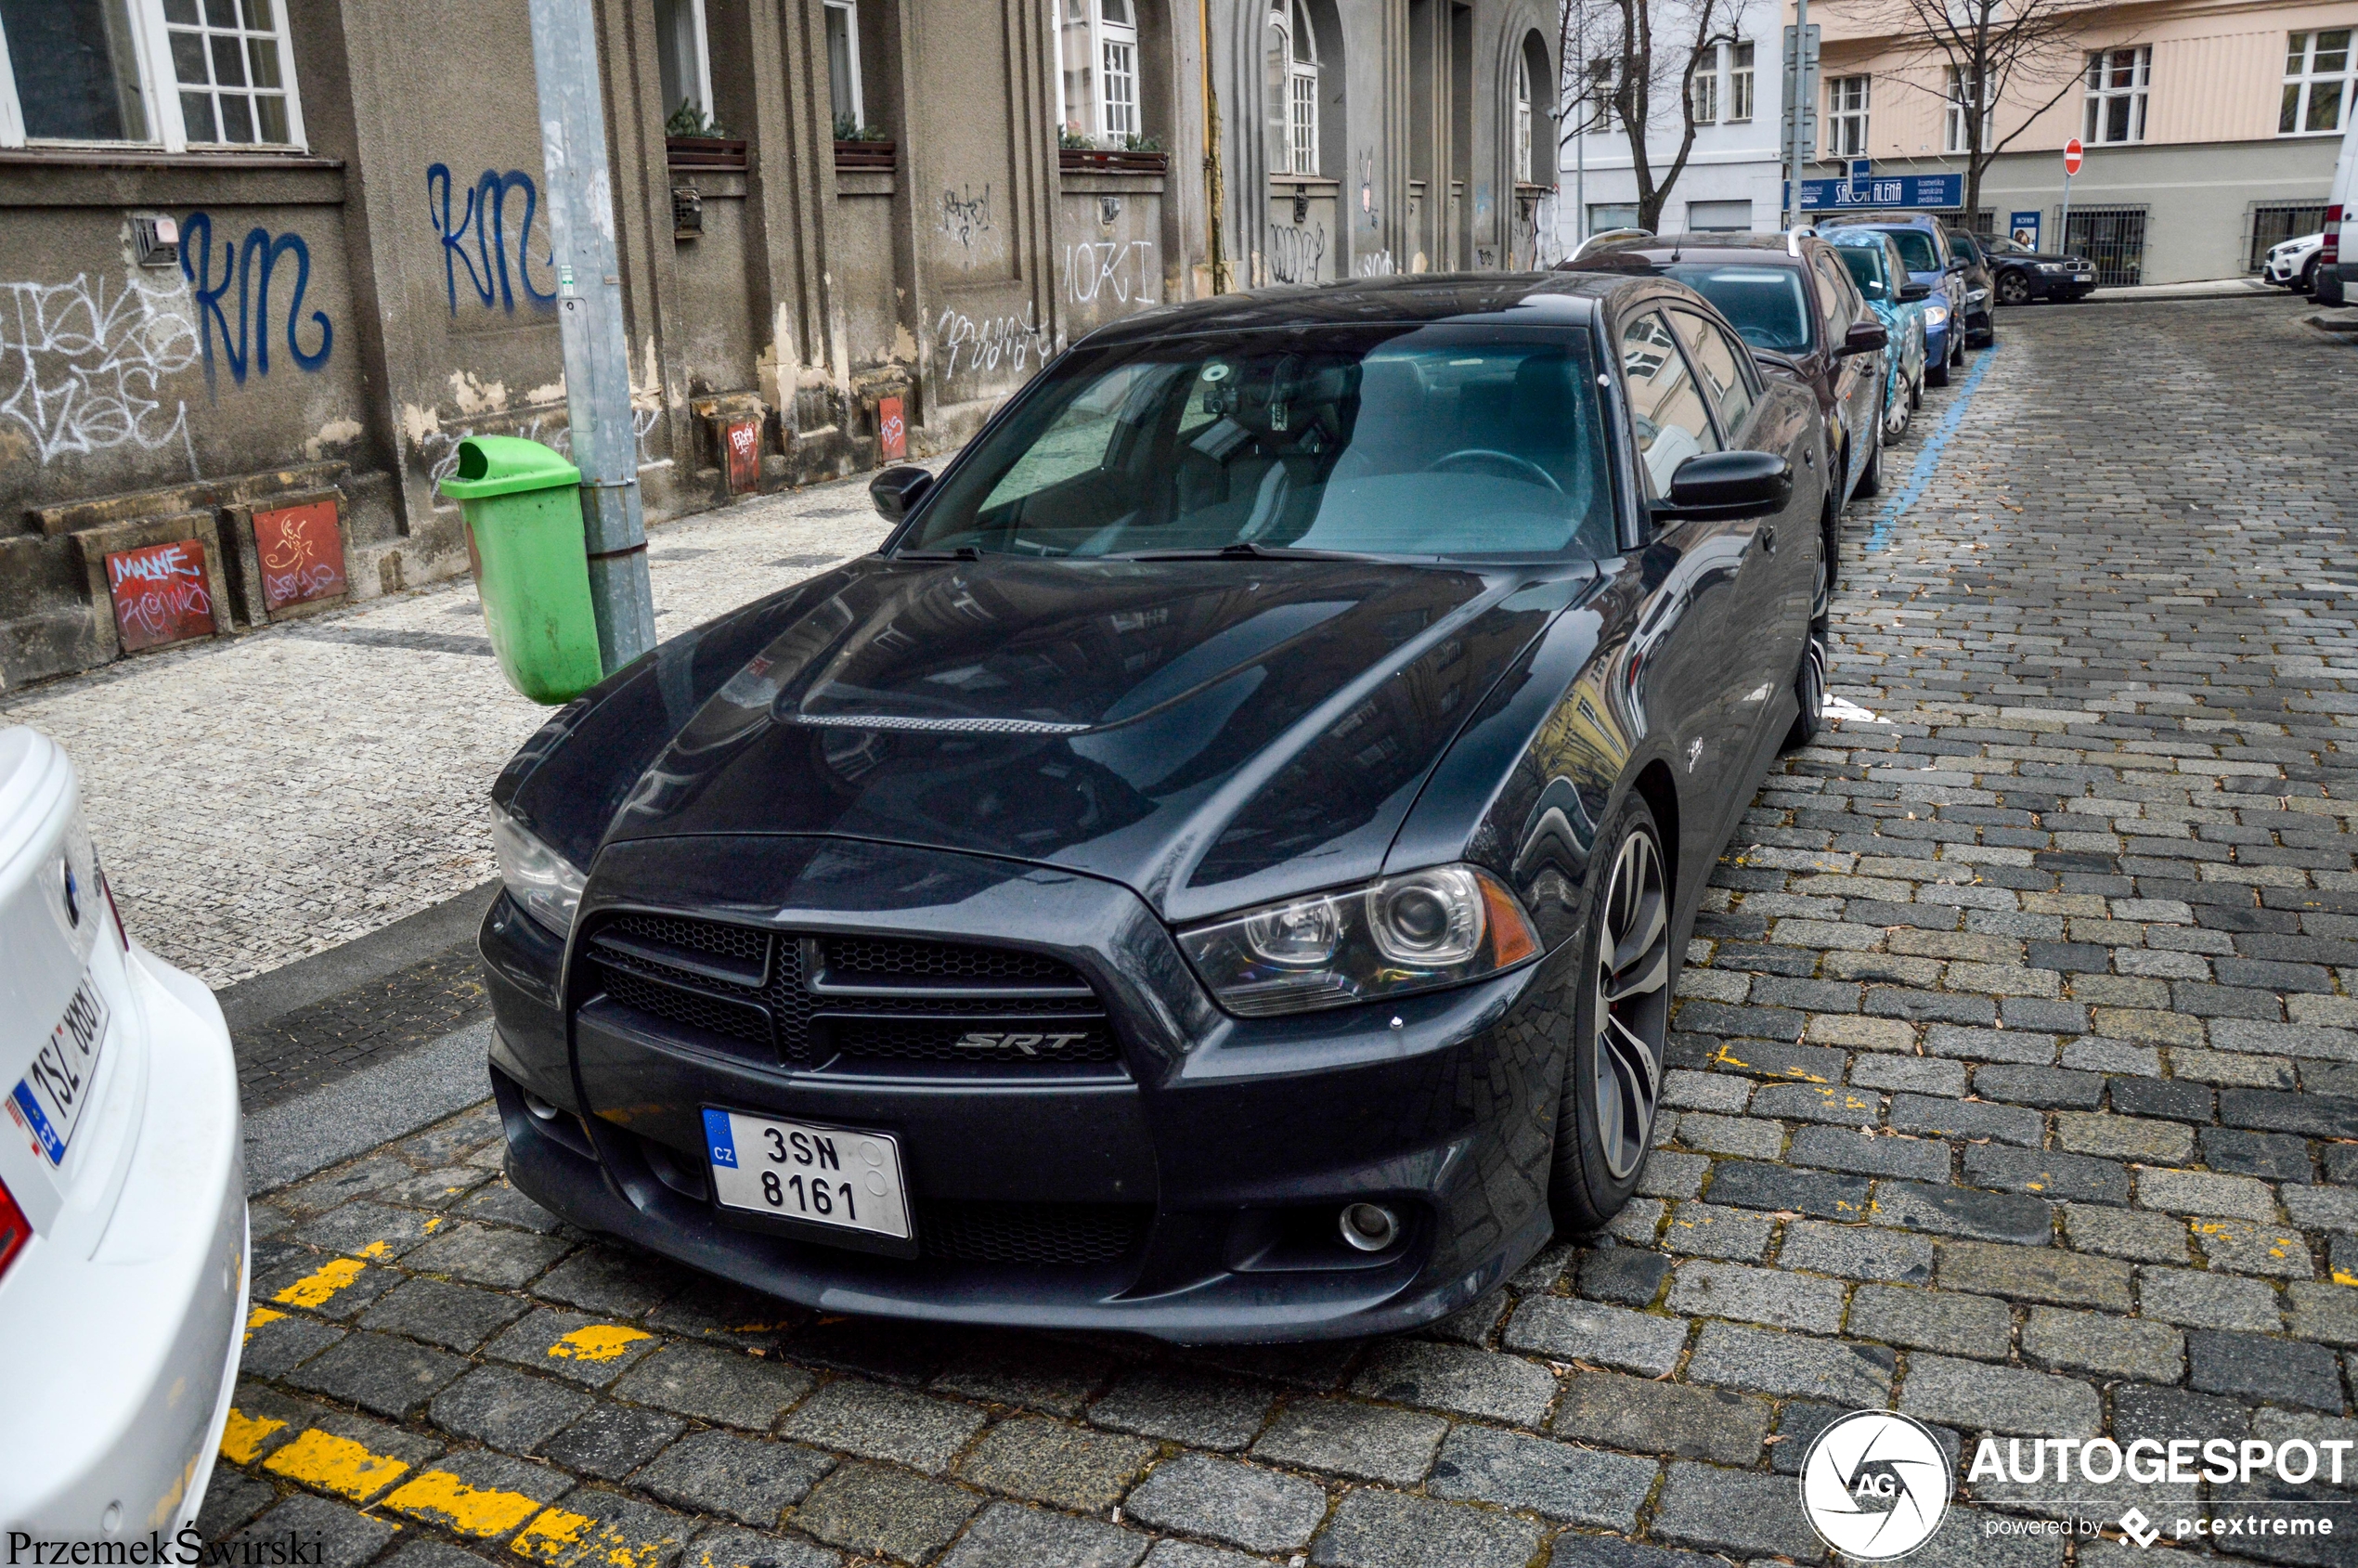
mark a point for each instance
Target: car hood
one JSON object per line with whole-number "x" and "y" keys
{"x": 1209, "y": 733}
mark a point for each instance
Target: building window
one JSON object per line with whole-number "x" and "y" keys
{"x": 1098, "y": 82}
{"x": 1720, "y": 217}
{"x": 1965, "y": 95}
{"x": 2117, "y": 94}
{"x": 1847, "y": 117}
{"x": 2318, "y": 81}
{"x": 173, "y": 73}
{"x": 685, "y": 67}
{"x": 1702, "y": 89}
{"x": 1293, "y": 90}
{"x": 1739, "y": 83}
{"x": 1604, "y": 215}
{"x": 843, "y": 70}
{"x": 1522, "y": 121}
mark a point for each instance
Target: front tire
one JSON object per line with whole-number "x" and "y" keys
{"x": 1810, "y": 693}
{"x": 1621, "y": 1026}
{"x": 2014, "y": 289}
{"x": 1870, "y": 479}
{"x": 1937, "y": 374}
{"x": 2309, "y": 276}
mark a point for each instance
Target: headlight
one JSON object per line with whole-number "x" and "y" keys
{"x": 544, "y": 884}
{"x": 1935, "y": 315}
{"x": 1398, "y": 934}
{"x": 2053, "y": 266}
{"x": 1976, "y": 293}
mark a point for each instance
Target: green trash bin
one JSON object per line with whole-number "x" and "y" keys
{"x": 522, "y": 504}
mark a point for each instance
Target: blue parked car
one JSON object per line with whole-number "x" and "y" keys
{"x": 1898, "y": 303}
{"x": 1923, "y": 245}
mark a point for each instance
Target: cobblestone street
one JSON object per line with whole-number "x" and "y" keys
{"x": 2015, "y": 1088}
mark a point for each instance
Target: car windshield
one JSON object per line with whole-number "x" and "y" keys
{"x": 1410, "y": 440}
{"x": 1965, "y": 245}
{"x": 1916, "y": 249}
{"x": 1764, "y": 303}
{"x": 1866, "y": 270}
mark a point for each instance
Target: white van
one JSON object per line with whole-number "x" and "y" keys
{"x": 2338, "y": 267}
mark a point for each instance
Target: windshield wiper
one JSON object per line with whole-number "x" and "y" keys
{"x": 1241, "y": 550}
{"x": 963, "y": 552}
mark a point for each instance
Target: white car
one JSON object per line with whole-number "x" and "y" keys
{"x": 2293, "y": 265}
{"x": 122, "y": 1202}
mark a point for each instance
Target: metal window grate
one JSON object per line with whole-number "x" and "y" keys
{"x": 2274, "y": 224}
{"x": 2114, "y": 239}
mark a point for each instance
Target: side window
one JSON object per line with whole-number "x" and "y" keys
{"x": 1833, "y": 285}
{"x": 1720, "y": 365}
{"x": 1673, "y": 425}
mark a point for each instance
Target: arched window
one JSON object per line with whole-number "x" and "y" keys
{"x": 1293, "y": 90}
{"x": 1523, "y": 120}
{"x": 1097, "y": 82}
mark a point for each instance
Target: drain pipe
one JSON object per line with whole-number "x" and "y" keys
{"x": 1215, "y": 188}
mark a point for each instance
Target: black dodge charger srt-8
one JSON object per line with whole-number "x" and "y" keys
{"x": 1219, "y": 870}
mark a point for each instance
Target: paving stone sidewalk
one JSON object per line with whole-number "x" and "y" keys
{"x": 2015, "y": 1088}
{"x": 262, "y": 798}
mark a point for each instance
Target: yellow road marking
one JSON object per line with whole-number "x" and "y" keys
{"x": 243, "y": 1435}
{"x": 316, "y": 1287}
{"x": 257, "y": 1317}
{"x": 336, "y": 1464}
{"x": 377, "y": 1250}
{"x": 560, "y": 1537}
{"x": 599, "y": 1341}
{"x": 438, "y": 1496}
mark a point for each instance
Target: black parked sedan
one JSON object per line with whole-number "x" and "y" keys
{"x": 1219, "y": 870}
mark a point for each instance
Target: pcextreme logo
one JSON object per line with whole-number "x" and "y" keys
{"x": 1874, "y": 1485}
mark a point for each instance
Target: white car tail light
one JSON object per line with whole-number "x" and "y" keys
{"x": 2329, "y": 254}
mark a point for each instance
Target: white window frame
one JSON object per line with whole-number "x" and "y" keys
{"x": 2099, "y": 94}
{"x": 1118, "y": 42}
{"x": 1704, "y": 86}
{"x": 2301, "y": 76}
{"x": 1958, "y": 107}
{"x": 1742, "y": 82}
{"x": 1848, "y": 121}
{"x": 1523, "y": 119}
{"x": 1302, "y": 86}
{"x": 160, "y": 92}
{"x": 848, "y": 11}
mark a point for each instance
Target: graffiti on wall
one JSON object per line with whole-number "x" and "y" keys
{"x": 496, "y": 257}
{"x": 1373, "y": 264}
{"x": 1368, "y": 187}
{"x": 965, "y": 218}
{"x": 438, "y": 450}
{"x": 1118, "y": 271}
{"x": 249, "y": 265}
{"x": 985, "y": 345}
{"x": 87, "y": 360}
{"x": 1297, "y": 252}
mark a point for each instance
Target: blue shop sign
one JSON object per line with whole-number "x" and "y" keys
{"x": 1916, "y": 191}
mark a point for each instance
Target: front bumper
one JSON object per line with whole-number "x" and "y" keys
{"x": 1232, "y": 1144}
{"x": 124, "y": 1356}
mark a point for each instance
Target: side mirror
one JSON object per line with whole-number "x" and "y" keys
{"x": 896, "y": 490}
{"x": 1865, "y": 337}
{"x": 1956, "y": 263}
{"x": 1721, "y": 485}
{"x": 1908, "y": 292}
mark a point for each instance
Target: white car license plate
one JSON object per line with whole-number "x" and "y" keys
{"x": 825, "y": 1175}
{"x": 47, "y": 1101}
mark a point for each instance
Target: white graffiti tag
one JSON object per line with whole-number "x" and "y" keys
{"x": 89, "y": 361}
{"x": 439, "y": 448}
{"x": 1118, "y": 270}
{"x": 985, "y": 344}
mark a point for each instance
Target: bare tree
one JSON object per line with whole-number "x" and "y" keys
{"x": 1988, "y": 53}
{"x": 1641, "y": 58}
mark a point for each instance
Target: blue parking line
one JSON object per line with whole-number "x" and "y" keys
{"x": 1928, "y": 461}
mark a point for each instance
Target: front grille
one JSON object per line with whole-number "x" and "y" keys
{"x": 816, "y": 1000}
{"x": 1034, "y": 1235}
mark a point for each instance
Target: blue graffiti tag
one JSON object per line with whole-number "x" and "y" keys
{"x": 247, "y": 264}
{"x": 486, "y": 218}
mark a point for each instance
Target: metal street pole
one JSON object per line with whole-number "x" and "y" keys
{"x": 1587, "y": 80}
{"x": 597, "y": 354}
{"x": 2063, "y": 239}
{"x": 1797, "y": 79}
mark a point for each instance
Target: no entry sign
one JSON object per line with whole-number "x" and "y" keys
{"x": 2073, "y": 153}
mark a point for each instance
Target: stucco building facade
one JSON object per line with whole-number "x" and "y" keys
{"x": 2210, "y": 126}
{"x": 259, "y": 253}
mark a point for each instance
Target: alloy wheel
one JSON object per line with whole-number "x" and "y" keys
{"x": 2012, "y": 290}
{"x": 1632, "y": 1002}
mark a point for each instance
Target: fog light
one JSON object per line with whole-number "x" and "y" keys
{"x": 1370, "y": 1227}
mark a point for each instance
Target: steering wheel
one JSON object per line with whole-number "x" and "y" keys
{"x": 1490, "y": 454}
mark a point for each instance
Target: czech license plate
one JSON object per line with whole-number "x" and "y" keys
{"x": 47, "y": 1101}
{"x": 824, "y": 1175}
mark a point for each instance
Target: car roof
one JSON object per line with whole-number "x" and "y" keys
{"x": 1504, "y": 298}
{"x": 1885, "y": 220}
{"x": 1746, "y": 247}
